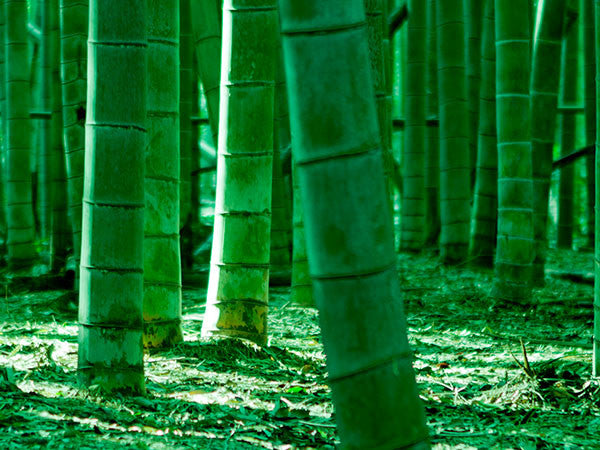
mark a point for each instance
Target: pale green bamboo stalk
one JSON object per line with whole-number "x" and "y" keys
{"x": 514, "y": 251}
{"x": 111, "y": 289}
{"x": 162, "y": 258}
{"x": 237, "y": 299}
{"x": 413, "y": 176}
{"x": 485, "y": 201}
{"x": 21, "y": 252}
{"x": 3, "y": 149}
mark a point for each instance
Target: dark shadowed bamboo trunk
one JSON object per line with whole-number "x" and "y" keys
{"x": 485, "y": 201}
{"x": 349, "y": 233}
{"x": 186, "y": 51}
{"x": 589, "y": 74}
{"x": 544, "y": 96}
{"x": 432, "y": 142}
{"x": 111, "y": 289}
{"x": 474, "y": 17}
{"x": 238, "y": 288}
{"x": 569, "y": 60}
{"x": 514, "y": 251}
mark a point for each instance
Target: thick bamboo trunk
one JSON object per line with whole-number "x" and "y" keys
{"x": 111, "y": 289}
{"x": 596, "y": 340}
{"x": 485, "y": 201}
{"x": 238, "y": 285}
{"x": 21, "y": 251}
{"x": 413, "y": 178}
{"x": 544, "y": 96}
{"x": 350, "y": 240}
{"x": 514, "y": 251}
{"x": 455, "y": 185}
{"x": 162, "y": 258}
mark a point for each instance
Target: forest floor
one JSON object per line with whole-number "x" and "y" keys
{"x": 478, "y": 387}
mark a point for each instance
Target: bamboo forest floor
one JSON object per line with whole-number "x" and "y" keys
{"x": 479, "y": 388}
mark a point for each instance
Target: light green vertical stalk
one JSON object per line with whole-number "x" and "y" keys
{"x": 74, "y": 30}
{"x": 485, "y": 201}
{"x": 186, "y": 52}
{"x": 21, "y": 252}
{"x": 238, "y": 286}
{"x": 111, "y": 289}
{"x": 596, "y": 340}
{"x": 206, "y": 28}
{"x": 544, "y": 95}
{"x": 455, "y": 187}
{"x": 514, "y": 251}
{"x": 413, "y": 176}
{"x": 61, "y": 230}
{"x": 474, "y": 17}
{"x": 3, "y": 152}
{"x": 589, "y": 74}
{"x": 280, "y": 220}
{"x": 569, "y": 60}
{"x": 162, "y": 258}
{"x": 350, "y": 242}
{"x": 432, "y": 141}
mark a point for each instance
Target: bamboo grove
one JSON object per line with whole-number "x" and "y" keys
{"x": 113, "y": 111}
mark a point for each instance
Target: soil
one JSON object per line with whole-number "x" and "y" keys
{"x": 492, "y": 375}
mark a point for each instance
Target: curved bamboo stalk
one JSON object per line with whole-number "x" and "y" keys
{"x": 567, "y": 126}
{"x": 514, "y": 251}
{"x": 74, "y": 16}
{"x": 238, "y": 286}
{"x": 545, "y": 73}
{"x": 21, "y": 252}
{"x": 413, "y": 178}
{"x": 349, "y": 233}
{"x": 485, "y": 202}
{"x": 111, "y": 289}
{"x": 455, "y": 187}
{"x": 162, "y": 258}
